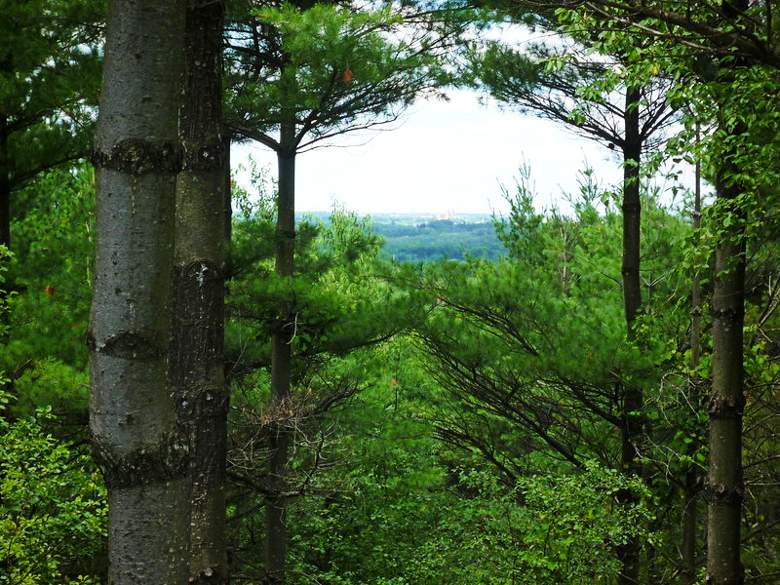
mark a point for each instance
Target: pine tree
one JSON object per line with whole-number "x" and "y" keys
{"x": 49, "y": 75}
{"x": 302, "y": 73}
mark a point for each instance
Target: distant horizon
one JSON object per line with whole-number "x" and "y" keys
{"x": 443, "y": 155}
{"x": 436, "y": 215}
{"x": 462, "y": 154}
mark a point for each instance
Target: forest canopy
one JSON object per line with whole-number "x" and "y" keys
{"x": 202, "y": 382}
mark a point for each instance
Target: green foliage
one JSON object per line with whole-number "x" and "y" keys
{"x": 454, "y": 421}
{"x": 48, "y": 310}
{"x": 329, "y": 68}
{"x": 395, "y": 514}
{"x": 53, "y": 268}
{"x": 5, "y": 296}
{"x": 49, "y": 78}
{"x": 52, "y": 507}
{"x": 439, "y": 239}
{"x": 337, "y": 293}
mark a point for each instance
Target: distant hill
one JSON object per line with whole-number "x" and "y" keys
{"x": 426, "y": 237}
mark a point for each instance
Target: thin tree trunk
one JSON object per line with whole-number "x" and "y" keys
{"x": 631, "y": 429}
{"x": 725, "y": 488}
{"x": 133, "y": 416}
{"x": 228, "y": 190}
{"x": 197, "y": 362}
{"x": 632, "y": 151}
{"x": 281, "y": 363}
{"x": 691, "y": 489}
{"x": 5, "y": 231}
{"x": 5, "y": 186}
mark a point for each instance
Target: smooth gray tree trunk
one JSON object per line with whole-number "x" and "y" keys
{"x": 197, "y": 356}
{"x": 133, "y": 416}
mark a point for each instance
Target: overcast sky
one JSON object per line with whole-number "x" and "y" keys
{"x": 443, "y": 156}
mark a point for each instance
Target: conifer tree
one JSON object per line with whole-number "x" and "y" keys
{"x": 302, "y": 73}
{"x": 49, "y": 75}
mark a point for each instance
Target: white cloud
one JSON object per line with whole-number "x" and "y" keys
{"x": 443, "y": 156}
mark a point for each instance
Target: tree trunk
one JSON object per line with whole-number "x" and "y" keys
{"x": 133, "y": 416}
{"x": 725, "y": 487}
{"x": 5, "y": 186}
{"x": 5, "y": 232}
{"x": 197, "y": 362}
{"x": 631, "y": 429}
{"x": 632, "y": 151}
{"x": 228, "y": 191}
{"x": 691, "y": 488}
{"x": 281, "y": 363}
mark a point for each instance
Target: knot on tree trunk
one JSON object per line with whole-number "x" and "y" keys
{"x": 136, "y": 156}
{"x": 129, "y": 345}
{"x": 718, "y": 493}
{"x": 209, "y": 576}
{"x": 164, "y": 461}
{"x": 727, "y": 314}
{"x": 737, "y": 579}
{"x": 726, "y": 407}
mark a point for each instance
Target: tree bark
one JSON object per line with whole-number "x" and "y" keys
{"x": 228, "y": 191}
{"x": 632, "y": 426}
{"x": 5, "y": 186}
{"x": 281, "y": 363}
{"x": 632, "y": 151}
{"x": 5, "y": 231}
{"x": 197, "y": 356}
{"x": 133, "y": 417}
{"x": 725, "y": 488}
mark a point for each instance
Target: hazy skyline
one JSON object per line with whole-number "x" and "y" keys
{"x": 442, "y": 156}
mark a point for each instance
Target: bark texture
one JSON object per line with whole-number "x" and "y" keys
{"x": 281, "y": 364}
{"x": 632, "y": 427}
{"x": 137, "y": 443}
{"x": 5, "y": 226}
{"x": 197, "y": 362}
{"x": 725, "y": 488}
{"x": 5, "y": 186}
{"x": 632, "y": 151}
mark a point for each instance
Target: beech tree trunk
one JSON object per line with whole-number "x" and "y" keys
{"x": 725, "y": 488}
{"x": 281, "y": 363}
{"x": 133, "y": 416}
{"x": 197, "y": 357}
{"x": 632, "y": 420}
